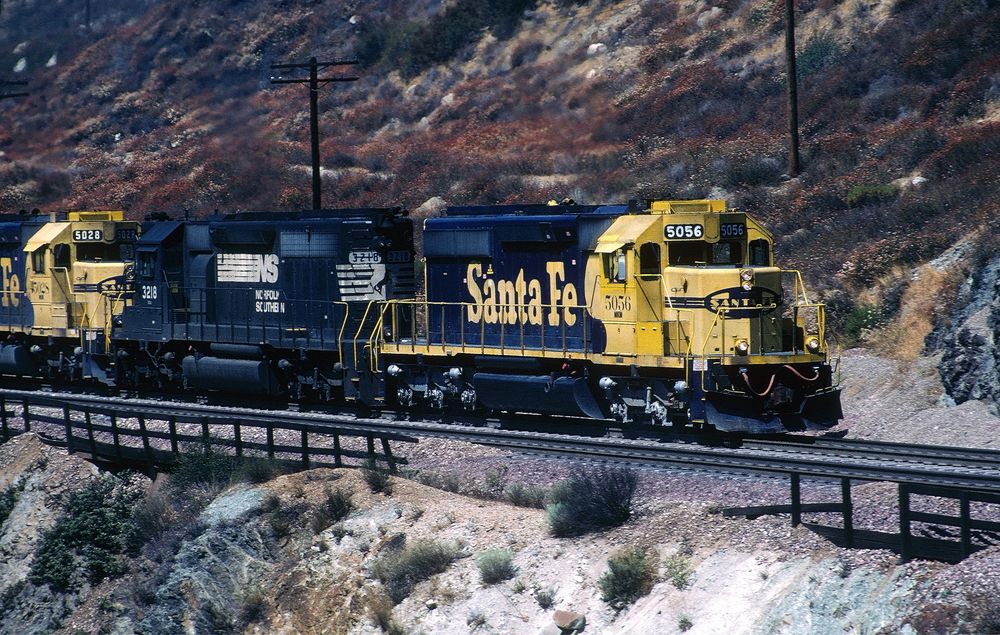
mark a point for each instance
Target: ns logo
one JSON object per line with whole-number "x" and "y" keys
{"x": 248, "y": 268}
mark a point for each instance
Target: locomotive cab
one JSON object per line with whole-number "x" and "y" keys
{"x": 76, "y": 273}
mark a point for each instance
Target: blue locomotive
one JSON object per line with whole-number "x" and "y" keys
{"x": 264, "y": 303}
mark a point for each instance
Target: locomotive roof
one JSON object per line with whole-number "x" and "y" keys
{"x": 309, "y": 214}
{"x": 534, "y": 210}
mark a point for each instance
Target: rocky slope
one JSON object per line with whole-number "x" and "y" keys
{"x": 263, "y": 558}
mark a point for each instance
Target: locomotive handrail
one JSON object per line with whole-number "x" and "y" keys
{"x": 578, "y": 310}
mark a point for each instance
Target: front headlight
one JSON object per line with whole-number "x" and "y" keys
{"x": 746, "y": 275}
{"x": 742, "y": 347}
{"x": 813, "y": 344}
{"x": 747, "y": 286}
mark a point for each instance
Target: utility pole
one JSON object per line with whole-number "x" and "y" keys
{"x": 314, "y": 81}
{"x": 793, "y": 92}
{"x": 5, "y": 95}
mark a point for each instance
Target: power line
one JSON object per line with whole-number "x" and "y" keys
{"x": 314, "y": 81}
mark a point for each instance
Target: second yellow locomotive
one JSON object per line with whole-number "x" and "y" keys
{"x": 662, "y": 311}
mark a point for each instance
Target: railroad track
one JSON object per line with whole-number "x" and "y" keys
{"x": 816, "y": 457}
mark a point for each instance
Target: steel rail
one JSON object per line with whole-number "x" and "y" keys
{"x": 766, "y": 458}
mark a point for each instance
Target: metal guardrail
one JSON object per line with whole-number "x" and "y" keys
{"x": 81, "y": 423}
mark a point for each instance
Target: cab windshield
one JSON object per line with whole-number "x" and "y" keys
{"x": 699, "y": 253}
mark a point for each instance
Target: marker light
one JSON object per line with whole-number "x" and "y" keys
{"x": 813, "y": 344}
{"x": 742, "y": 347}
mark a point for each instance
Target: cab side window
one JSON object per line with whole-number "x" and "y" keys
{"x": 61, "y": 257}
{"x": 649, "y": 260}
{"x": 760, "y": 253}
{"x": 38, "y": 260}
{"x": 147, "y": 264}
{"x": 616, "y": 266}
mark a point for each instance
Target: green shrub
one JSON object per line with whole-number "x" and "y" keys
{"x": 212, "y": 467}
{"x": 335, "y": 508}
{"x": 89, "y": 538}
{"x": 684, "y": 623}
{"x": 496, "y": 565}
{"x": 863, "y": 317}
{"x": 8, "y": 499}
{"x": 677, "y": 569}
{"x": 591, "y": 500}
{"x": 546, "y": 598}
{"x": 526, "y": 495}
{"x": 376, "y": 478}
{"x": 401, "y": 571}
{"x": 207, "y": 466}
{"x": 867, "y": 194}
{"x": 630, "y": 575}
{"x": 820, "y": 52}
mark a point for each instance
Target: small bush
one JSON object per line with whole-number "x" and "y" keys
{"x": 629, "y": 576}
{"x": 401, "y": 571}
{"x": 89, "y": 539}
{"x": 377, "y": 479}
{"x": 591, "y": 500}
{"x": 211, "y": 467}
{"x": 862, "y": 318}
{"x": 546, "y": 598}
{"x": 820, "y": 52}
{"x": 475, "y": 619}
{"x": 151, "y": 518}
{"x": 526, "y": 496}
{"x": 684, "y": 623}
{"x": 207, "y": 467}
{"x": 678, "y": 570}
{"x": 860, "y": 195}
{"x": 496, "y": 565}
{"x": 379, "y": 606}
{"x": 336, "y": 508}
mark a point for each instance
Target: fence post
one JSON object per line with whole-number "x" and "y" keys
{"x": 147, "y": 450}
{"x": 906, "y": 539}
{"x": 172, "y": 426}
{"x": 204, "y": 433}
{"x": 270, "y": 439}
{"x": 26, "y": 415}
{"x": 371, "y": 452}
{"x": 336, "y": 451}
{"x": 238, "y": 437}
{"x": 3, "y": 418}
{"x": 69, "y": 430}
{"x": 114, "y": 436}
{"x": 963, "y": 502}
{"x": 845, "y": 490}
{"x": 305, "y": 446}
{"x": 90, "y": 433}
{"x": 796, "y": 500}
{"x": 388, "y": 455}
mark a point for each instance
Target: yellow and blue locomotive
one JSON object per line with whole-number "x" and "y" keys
{"x": 65, "y": 278}
{"x": 661, "y": 312}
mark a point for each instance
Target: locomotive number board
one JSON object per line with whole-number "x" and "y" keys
{"x": 88, "y": 235}
{"x": 683, "y": 232}
{"x": 733, "y": 230}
